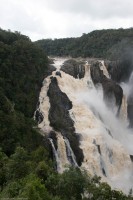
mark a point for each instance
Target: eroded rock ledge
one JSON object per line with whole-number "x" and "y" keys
{"x": 113, "y": 93}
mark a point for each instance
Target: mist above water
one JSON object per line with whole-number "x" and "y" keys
{"x": 128, "y": 86}
{"x": 116, "y": 127}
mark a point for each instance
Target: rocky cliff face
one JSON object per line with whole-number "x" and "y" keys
{"x": 120, "y": 70}
{"x": 113, "y": 93}
{"x": 130, "y": 102}
{"x": 60, "y": 119}
{"x": 130, "y": 111}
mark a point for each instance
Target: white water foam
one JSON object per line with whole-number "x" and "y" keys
{"x": 95, "y": 122}
{"x": 105, "y": 140}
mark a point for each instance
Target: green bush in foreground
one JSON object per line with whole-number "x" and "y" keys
{"x": 31, "y": 176}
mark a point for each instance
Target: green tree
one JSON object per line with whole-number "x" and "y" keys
{"x": 17, "y": 166}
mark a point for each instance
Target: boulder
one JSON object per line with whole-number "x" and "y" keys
{"x": 74, "y": 68}
{"x": 58, "y": 73}
{"x": 38, "y": 116}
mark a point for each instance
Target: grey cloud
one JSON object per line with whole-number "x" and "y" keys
{"x": 93, "y": 8}
{"x": 64, "y": 18}
{"x": 15, "y": 17}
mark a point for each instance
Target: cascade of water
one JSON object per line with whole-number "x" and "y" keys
{"x": 123, "y": 110}
{"x": 109, "y": 132}
{"x": 118, "y": 130}
{"x": 58, "y": 62}
{"x": 70, "y": 154}
{"x": 93, "y": 120}
{"x": 62, "y": 154}
{"x": 128, "y": 91}
{"x": 44, "y": 106}
{"x": 104, "y": 69}
{"x": 55, "y": 153}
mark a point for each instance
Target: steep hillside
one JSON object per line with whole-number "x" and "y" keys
{"x": 100, "y": 44}
{"x": 22, "y": 69}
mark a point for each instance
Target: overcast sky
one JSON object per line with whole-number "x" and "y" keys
{"x": 64, "y": 18}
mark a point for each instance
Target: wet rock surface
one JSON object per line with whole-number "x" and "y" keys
{"x": 38, "y": 116}
{"x": 113, "y": 93}
{"x": 96, "y": 73}
{"x": 60, "y": 119}
{"x": 49, "y": 71}
{"x": 58, "y": 73}
{"x": 120, "y": 70}
{"x": 74, "y": 68}
{"x": 130, "y": 109}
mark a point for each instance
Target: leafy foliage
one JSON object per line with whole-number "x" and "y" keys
{"x": 22, "y": 67}
{"x": 23, "y": 177}
{"x": 99, "y": 43}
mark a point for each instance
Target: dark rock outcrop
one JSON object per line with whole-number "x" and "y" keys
{"x": 59, "y": 117}
{"x": 131, "y": 157}
{"x": 96, "y": 73}
{"x": 120, "y": 70}
{"x": 49, "y": 71}
{"x": 130, "y": 109}
{"x": 130, "y": 115}
{"x": 60, "y": 104}
{"x": 38, "y": 116}
{"x": 58, "y": 73}
{"x": 74, "y": 68}
{"x": 113, "y": 93}
{"x": 130, "y": 102}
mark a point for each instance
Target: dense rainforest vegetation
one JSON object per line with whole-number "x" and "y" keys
{"x": 99, "y": 44}
{"x": 26, "y": 170}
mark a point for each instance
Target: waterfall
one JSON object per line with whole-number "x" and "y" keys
{"x": 70, "y": 154}
{"x": 64, "y": 155}
{"x": 111, "y": 134}
{"x": 128, "y": 93}
{"x": 104, "y": 69}
{"x": 92, "y": 121}
{"x": 123, "y": 110}
{"x": 58, "y": 61}
{"x": 55, "y": 153}
{"x": 44, "y": 106}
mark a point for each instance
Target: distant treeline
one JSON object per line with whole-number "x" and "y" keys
{"x": 100, "y": 44}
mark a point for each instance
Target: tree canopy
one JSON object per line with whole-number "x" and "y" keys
{"x": 99, "y": 44}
